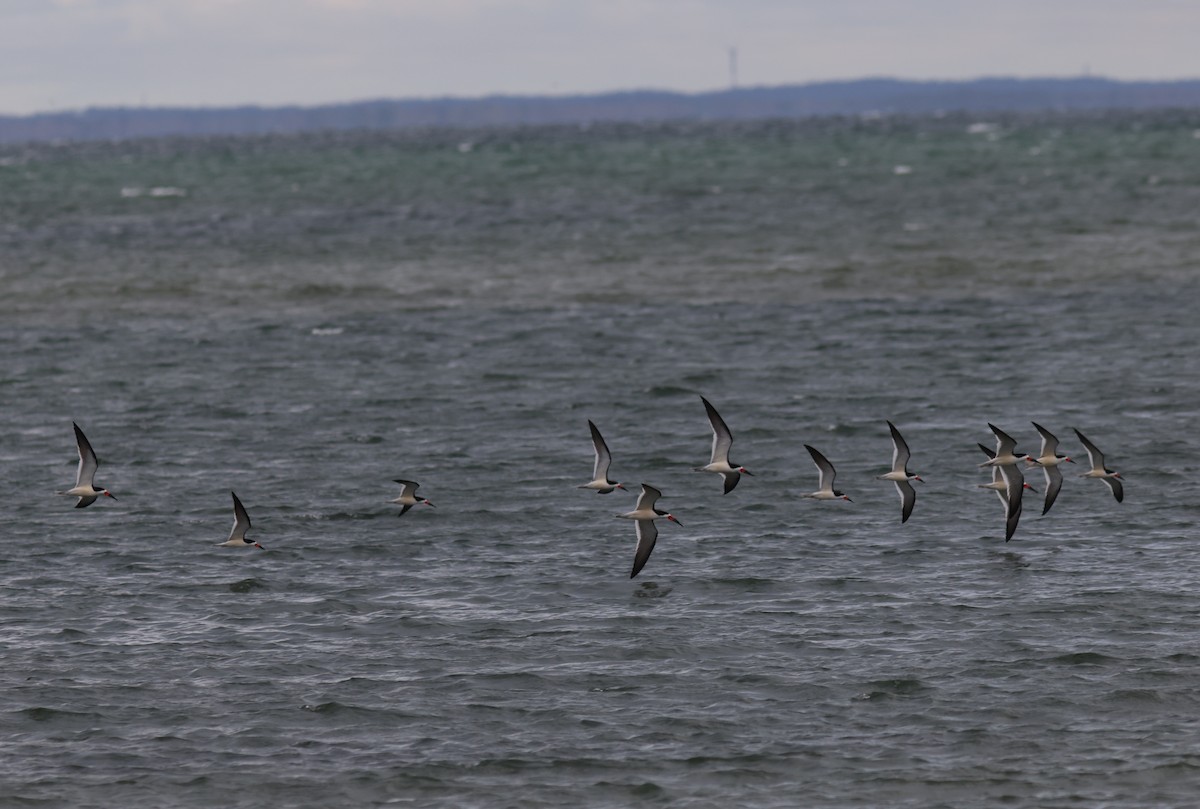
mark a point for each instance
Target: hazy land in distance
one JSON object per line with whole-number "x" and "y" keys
{"x": 877, "y": 96}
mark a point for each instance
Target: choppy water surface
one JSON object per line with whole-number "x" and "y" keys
{"x": 303, "y": 320}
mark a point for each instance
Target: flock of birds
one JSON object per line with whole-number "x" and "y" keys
{"x": 1005, "y": 463}
{"x": 1008, "y": 481}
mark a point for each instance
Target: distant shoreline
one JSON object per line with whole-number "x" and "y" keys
{"x": 879, "y": 96}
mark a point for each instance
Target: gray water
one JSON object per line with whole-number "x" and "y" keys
{"x": 307, "y": 319}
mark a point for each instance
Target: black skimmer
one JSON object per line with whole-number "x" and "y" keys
{"x": 647, "y": 533}
{"x": 828, "y": 473}
{"x": 1006, "y": 454}
{"x": 408, "y": 496}
{"x": 85, "y": 488}
{"x": 900, "y": 474}
{"x": 241, "y": 524}
{"x": 1049, "y": 459}
{"x": 722, "y": 441}
{"x": 1099, "y": 470}
{"x": 1002, "y": 484}
{"x": 600, "y": 482}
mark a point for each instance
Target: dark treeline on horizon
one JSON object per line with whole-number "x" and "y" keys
{"x": 859, "y": 97}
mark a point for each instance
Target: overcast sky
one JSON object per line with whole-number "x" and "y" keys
{"x": 70, "y": 54}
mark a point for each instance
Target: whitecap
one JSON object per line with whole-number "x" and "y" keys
{"x": 131, "y": 191}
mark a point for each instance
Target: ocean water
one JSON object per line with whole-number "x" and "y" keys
{"x": 301, "y": 320}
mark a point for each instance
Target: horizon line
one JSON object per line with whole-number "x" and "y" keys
{"x": 1090, "y": 77}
